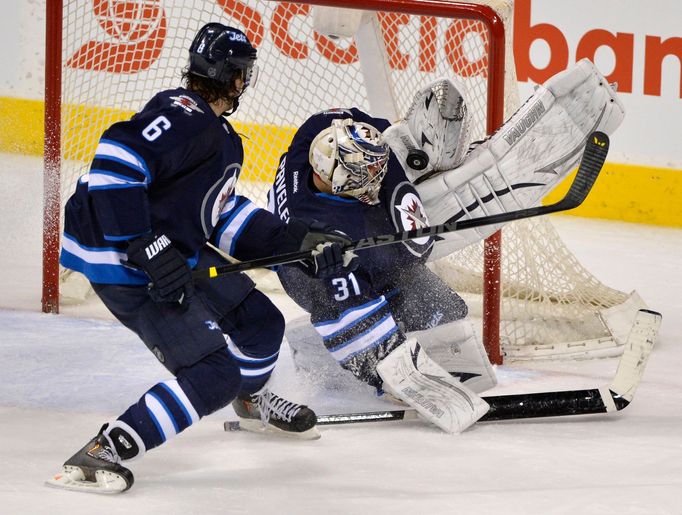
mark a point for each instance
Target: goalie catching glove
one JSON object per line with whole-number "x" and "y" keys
{"x": 435, "y": 133}
{"x": 170, "y": 274}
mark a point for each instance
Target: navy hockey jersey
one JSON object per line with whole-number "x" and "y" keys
{"x": 399, "y": 207}
{"x": 171, "y": 169}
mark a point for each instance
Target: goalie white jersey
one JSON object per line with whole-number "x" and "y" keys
{"x": 526, "y": 158}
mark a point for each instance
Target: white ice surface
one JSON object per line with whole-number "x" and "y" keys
{"x": 62, "y": 376}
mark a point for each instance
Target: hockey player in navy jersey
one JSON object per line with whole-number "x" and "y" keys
{"x": 160, "y": 187}
{"x": 376, "y": 320}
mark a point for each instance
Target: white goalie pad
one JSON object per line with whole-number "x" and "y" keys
{"x": 454, "y": 346}
{"x": 457, "y": 348}
{"x": 412, "y": 376}
{"x": 526, "y": 158}
{"x": 434, "y": 135}
{"x": 315, "y": 363}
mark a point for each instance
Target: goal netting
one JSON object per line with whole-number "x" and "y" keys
{"x": 116, "y": 54}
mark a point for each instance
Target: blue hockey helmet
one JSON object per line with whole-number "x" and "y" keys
{"x": 218, "y": 51}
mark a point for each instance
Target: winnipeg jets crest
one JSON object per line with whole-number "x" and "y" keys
{"x": 409, "y": 214}
{"x": 218, "y": 198}
{"x": 222, "y": 199}
{"x": 412, "y": 215}
{"x": 412, "y": 212}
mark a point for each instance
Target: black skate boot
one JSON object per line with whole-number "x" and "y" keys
{"x": 265, "y": 412}
{"x": 95, "y": 468}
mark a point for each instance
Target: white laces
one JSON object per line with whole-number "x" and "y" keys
{"x": 270, "y": 404}
{"x": 104, "y": 452}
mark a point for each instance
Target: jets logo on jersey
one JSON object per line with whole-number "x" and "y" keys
{"x": 224, "y": 196}
{"x": 408, "y": 214}
{"x": 412, "y": 215}
{"x": 186, "y": 103}
{"x": 412, "y": 212}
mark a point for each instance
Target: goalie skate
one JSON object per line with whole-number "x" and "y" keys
{"x": 265, "y": 412}
{"x": 94, "y": 469}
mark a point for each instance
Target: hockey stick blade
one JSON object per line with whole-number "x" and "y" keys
{"x": 614, "y": 397}
{"x": 591, "y": 164}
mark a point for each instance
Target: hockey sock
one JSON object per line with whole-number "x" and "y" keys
{"x": 161, "y": 413}
{"x": 255, "y": 371}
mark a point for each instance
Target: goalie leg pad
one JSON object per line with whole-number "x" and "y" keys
{"x": 526, "y": 158}
{"x": 457, "y": 348}
{"x": 412, "y": 376}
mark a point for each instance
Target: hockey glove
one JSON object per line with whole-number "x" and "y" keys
{"x": 171, "y": 277}
{"x": 329, "y": 260}
{"x": 326, "y": 243}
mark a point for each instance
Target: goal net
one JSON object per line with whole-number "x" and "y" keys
{"x": 116, "y": 54}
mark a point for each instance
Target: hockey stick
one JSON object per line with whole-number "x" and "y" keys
{"x": 614, "y": 397}
{"x": 591, "y": 163}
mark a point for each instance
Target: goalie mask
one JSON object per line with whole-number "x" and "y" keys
{"x": 352, "y": 158}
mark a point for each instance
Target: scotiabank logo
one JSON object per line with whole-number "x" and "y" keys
{"x": 286, "y": 14}
{"x": 138, "y": 29}
{"x": 621, "y": 44}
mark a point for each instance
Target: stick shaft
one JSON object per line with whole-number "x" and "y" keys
{"x": 590, "y": 166}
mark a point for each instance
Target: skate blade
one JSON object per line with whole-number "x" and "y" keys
{"x": 256, "y": 426}
{"x": 72, "y": 478}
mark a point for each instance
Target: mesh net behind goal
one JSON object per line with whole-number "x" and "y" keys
{"x": 117, "y": 54}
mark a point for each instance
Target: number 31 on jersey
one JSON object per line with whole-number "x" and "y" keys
{"x": 342, "y": 287}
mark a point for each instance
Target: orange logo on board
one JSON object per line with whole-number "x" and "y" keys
{"x": 138, "y": 31}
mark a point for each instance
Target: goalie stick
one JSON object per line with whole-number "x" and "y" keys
{"x": 593, "y": 158}
{"x": 614, "y": 397}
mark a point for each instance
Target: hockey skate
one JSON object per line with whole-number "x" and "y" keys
{"x": 265, "y": 412}
{"x": 95, "y": 468}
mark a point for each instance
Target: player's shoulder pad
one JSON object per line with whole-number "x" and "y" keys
{"x": 408, "y": 213}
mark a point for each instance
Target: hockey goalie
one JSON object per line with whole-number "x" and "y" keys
{"x": 393, "y": 324}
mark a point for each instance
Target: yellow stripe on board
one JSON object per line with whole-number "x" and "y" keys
{"x": 631, "y": 193}
{"x": 628, "y": 193}
{"x": 21, "y": 126}
{"x": 22, "y": 132}
{"x": 261, "y": 165}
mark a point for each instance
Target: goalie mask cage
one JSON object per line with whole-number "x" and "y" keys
{"x": 106, "y": 58}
